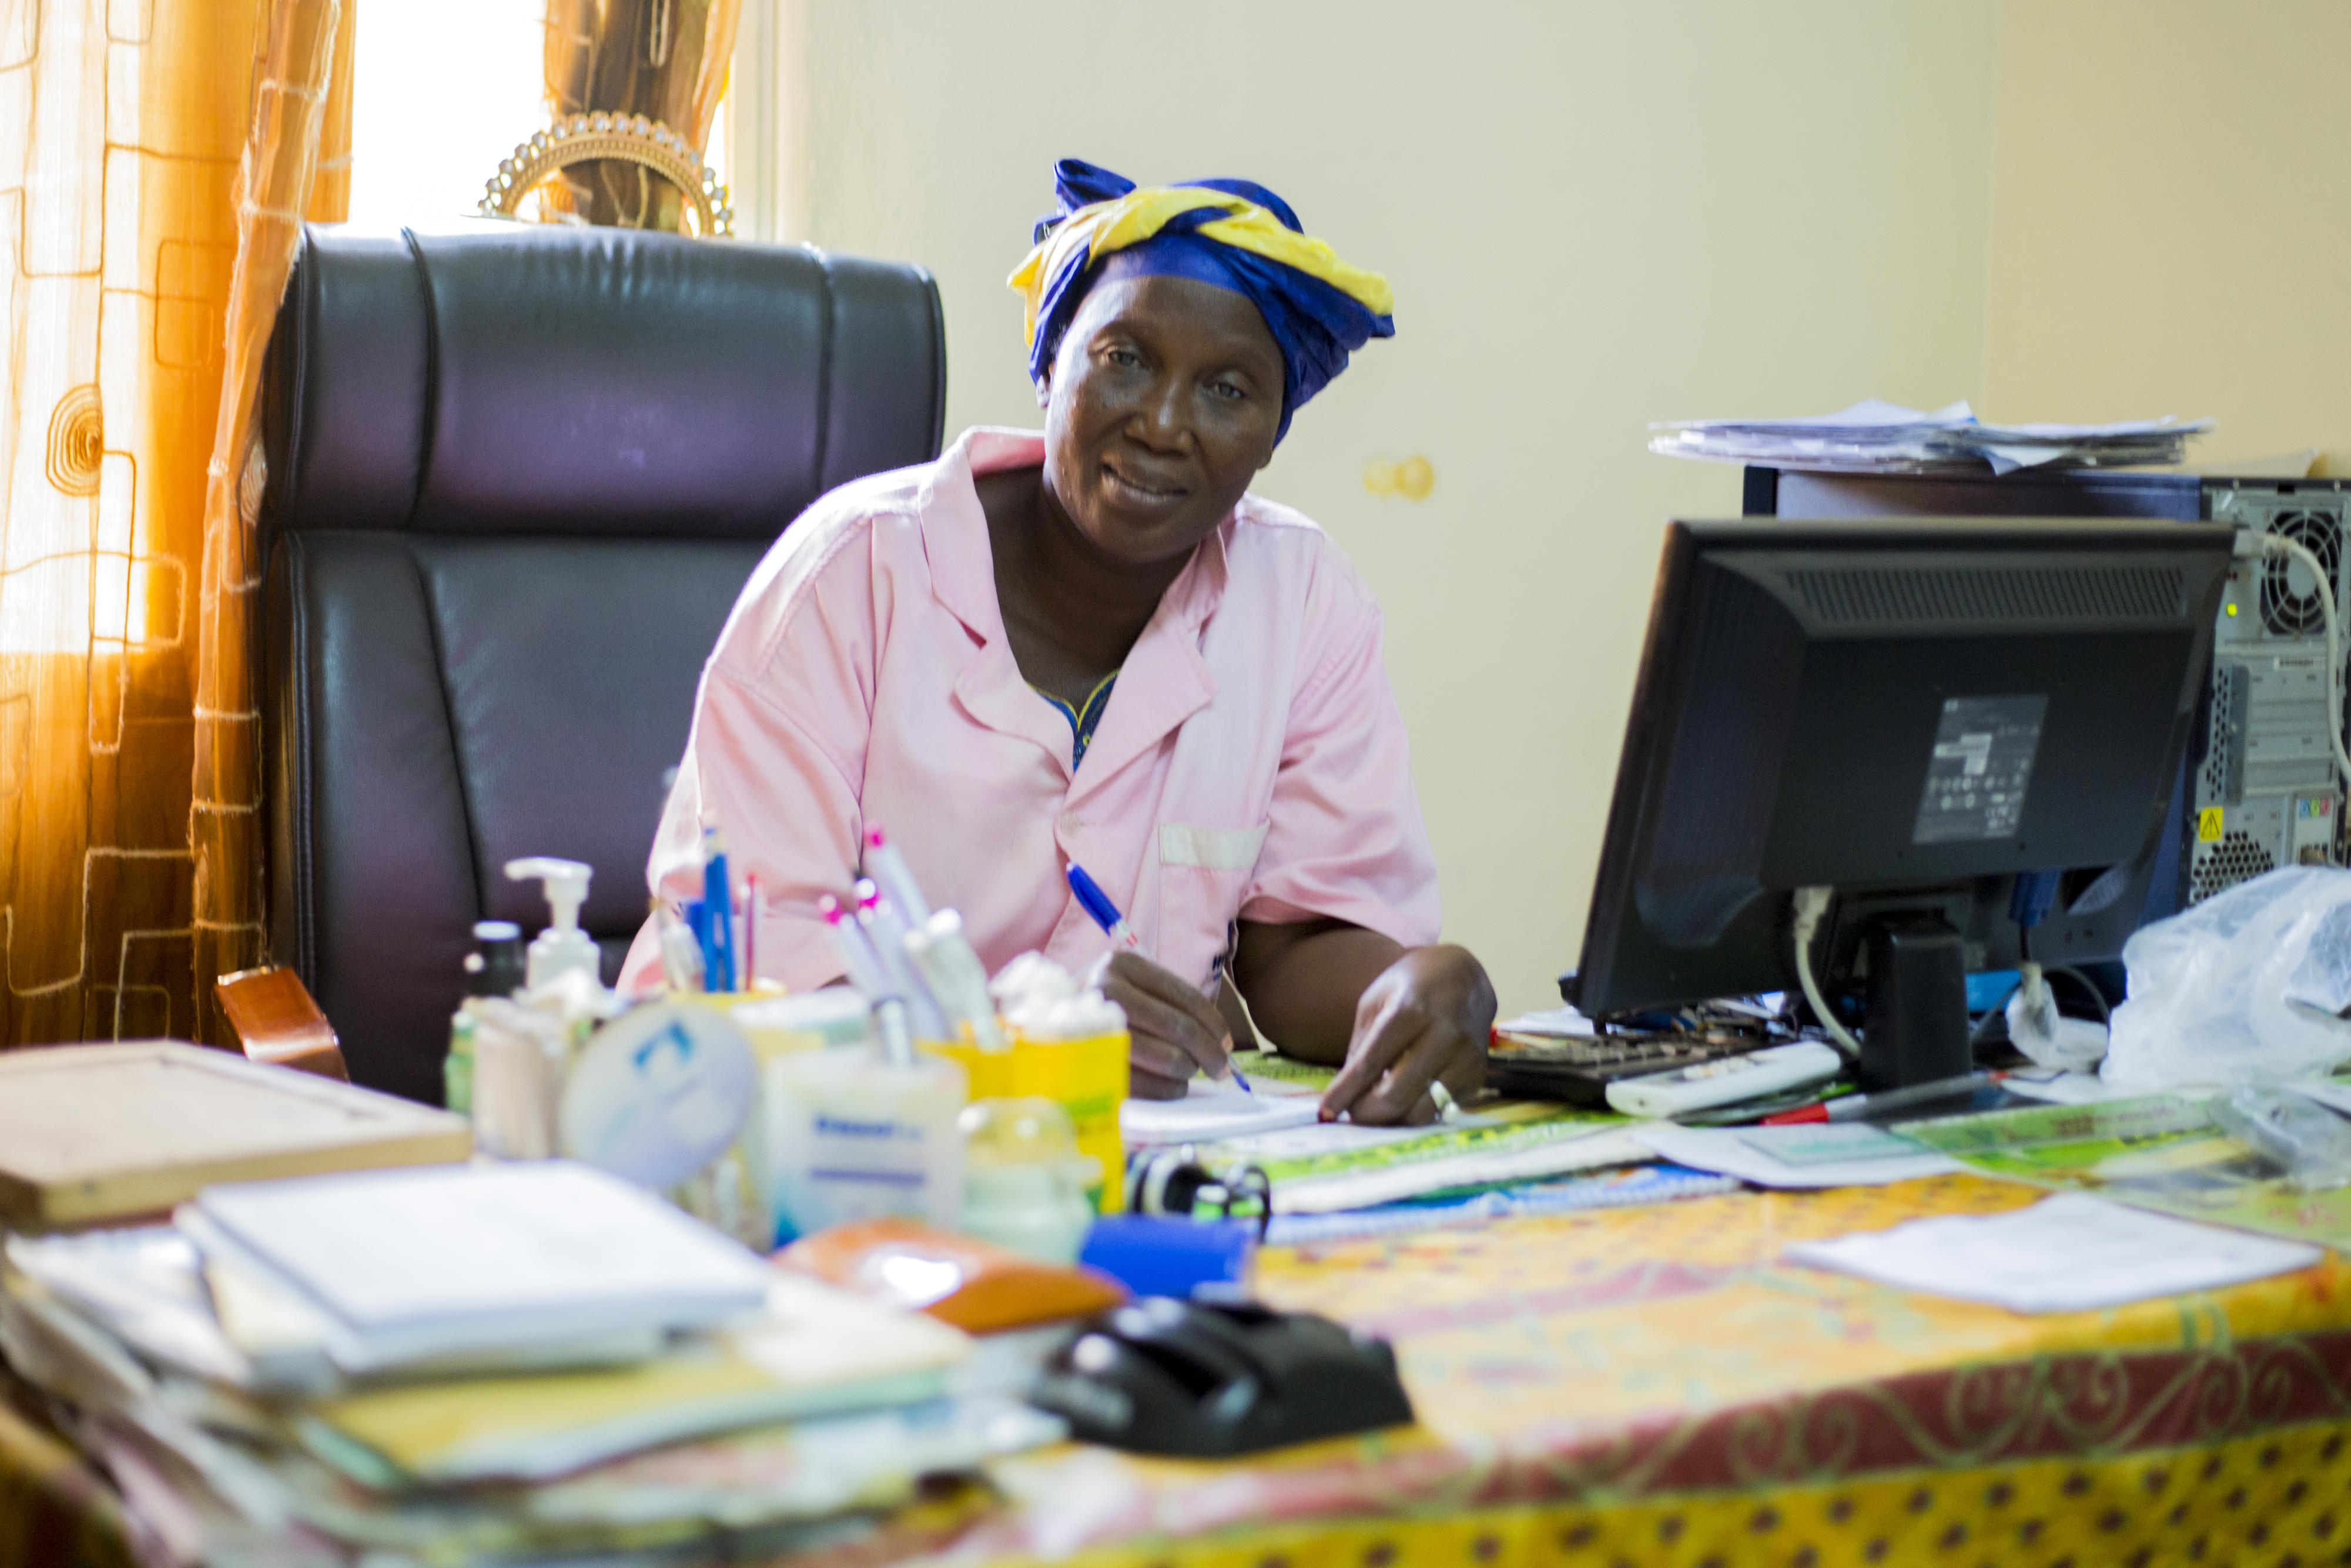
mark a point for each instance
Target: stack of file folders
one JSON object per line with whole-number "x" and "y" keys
{"x": 1876, "y": 437}
{"x": 523, "y": 1362}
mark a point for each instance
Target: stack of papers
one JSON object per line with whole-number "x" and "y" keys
{"x": 814, "y": 1350}
{"x": 2066, "y": 1254}
{"x": 513, "y": 1361}
{"x": 401, "y": 1268}
{"x": 1877, "y": 437}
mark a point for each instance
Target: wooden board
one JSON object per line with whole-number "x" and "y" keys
{"x": 101, "y": 1132}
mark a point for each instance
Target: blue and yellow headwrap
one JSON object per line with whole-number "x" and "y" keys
{"x": 1229, "y": 233}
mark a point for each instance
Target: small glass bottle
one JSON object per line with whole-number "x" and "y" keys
{"x": 494, "y": 969}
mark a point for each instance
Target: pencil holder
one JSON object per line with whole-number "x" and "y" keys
{"x": 1087, "y": 1078}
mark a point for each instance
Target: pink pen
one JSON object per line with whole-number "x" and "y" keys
{"x": 862, "y": 964}
{"x": 891, "y": 873}
{"x": 886, "y": 929}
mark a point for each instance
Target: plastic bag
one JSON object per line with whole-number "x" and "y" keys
{"x": 2310, "y": 1141}
{"x": 2242, "y": 989}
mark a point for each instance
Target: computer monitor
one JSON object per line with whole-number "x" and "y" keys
{"x": 1913, "y": 713}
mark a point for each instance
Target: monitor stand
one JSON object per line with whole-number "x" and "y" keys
{"x": 1914, "y": 1023}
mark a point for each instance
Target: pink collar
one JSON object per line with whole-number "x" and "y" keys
{"x": 1163, "y": 681}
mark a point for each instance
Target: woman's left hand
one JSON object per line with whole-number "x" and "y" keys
{"x": 1425, "y": 1019}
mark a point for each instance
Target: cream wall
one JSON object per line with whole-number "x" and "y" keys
{"x": 2169, "y": 224}
{"x": 1593, "y": 215}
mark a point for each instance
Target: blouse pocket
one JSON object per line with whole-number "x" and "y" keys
{"x": 1203, "y": 875}
{"x": 1211, "y": 848}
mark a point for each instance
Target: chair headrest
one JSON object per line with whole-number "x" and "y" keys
{"x": 522, "y": 378}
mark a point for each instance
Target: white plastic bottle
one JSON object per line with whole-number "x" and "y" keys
{"x": 859, "y": 1132}
{"x": 562, "y": 947}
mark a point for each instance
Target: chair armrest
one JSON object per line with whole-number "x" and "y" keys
{"x": 277, "y": 1022}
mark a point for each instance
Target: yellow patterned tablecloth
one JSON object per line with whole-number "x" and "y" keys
{"x": 1651, "y": 1387}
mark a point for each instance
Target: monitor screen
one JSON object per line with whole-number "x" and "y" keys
{"x": 1911, "y": 712}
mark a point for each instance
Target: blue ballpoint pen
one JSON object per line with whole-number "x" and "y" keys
{"x": 718, "y": 894}
{"x": 1097, "y": 904}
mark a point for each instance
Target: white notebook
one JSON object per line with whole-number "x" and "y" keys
{"x": 404, "y": 1266}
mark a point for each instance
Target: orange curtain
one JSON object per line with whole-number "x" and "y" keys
{"x": 143, "y": 148}
{"x": 274, "y": 186}
{"x": 665, "y": 59}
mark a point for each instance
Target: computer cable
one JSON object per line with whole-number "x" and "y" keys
{"x": 1811, "y": 906}
{"x": 1995, "y": 1017}
{"x": 2250, "y": 544}
{"x": 2029, "y": 901}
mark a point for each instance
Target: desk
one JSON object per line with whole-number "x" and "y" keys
{"x": 1651, "y": 1387}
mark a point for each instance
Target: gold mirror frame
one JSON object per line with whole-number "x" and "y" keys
{"x": 631, "y": 138}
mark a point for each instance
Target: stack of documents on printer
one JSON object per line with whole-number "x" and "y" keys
{"x": 1879, "y": 437}
{"x": 518, "y": 1360}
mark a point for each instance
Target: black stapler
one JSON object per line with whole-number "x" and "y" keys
{"x": 1164, "y": 1377}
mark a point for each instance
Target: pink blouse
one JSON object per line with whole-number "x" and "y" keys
{"x": 1251, "y": 764}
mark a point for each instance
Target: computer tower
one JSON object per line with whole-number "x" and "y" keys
{"x": 2260, "y": 788}
{"x": 2265, "y": 791}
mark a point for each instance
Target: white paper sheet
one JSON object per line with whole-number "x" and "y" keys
{"x": 1733, "y": 1151}
{"x": 1311, "y": 1138}
{"x": 1213, "y": 1109}
{"x": 2068, "y": 1253}
{"x": 1551, "y": 1023}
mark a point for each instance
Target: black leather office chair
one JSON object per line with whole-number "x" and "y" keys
{"x": 516, "y": 479}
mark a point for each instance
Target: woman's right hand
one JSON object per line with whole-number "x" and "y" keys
{"x": 1175, "y": 1030}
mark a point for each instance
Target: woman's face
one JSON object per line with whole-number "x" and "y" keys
{"x": 1162, "y": 405}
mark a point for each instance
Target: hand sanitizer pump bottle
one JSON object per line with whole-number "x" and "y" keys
{"x": 562, "y": 946}
{"x": 523, "y": 1045}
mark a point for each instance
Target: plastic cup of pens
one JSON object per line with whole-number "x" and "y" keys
{"x": 1031, "y": 1032}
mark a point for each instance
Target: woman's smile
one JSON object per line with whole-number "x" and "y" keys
{"x": 1137, "y": 486}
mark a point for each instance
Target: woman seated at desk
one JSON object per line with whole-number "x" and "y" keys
{"x": 1094, "y": 645}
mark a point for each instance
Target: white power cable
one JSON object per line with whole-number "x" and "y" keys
{"x": 1811, "y": 906}
{"x": 2279, "y": 545}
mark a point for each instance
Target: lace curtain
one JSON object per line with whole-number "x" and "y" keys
{"x": 156, "y": 157}
{"x": 665, "y": 59}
